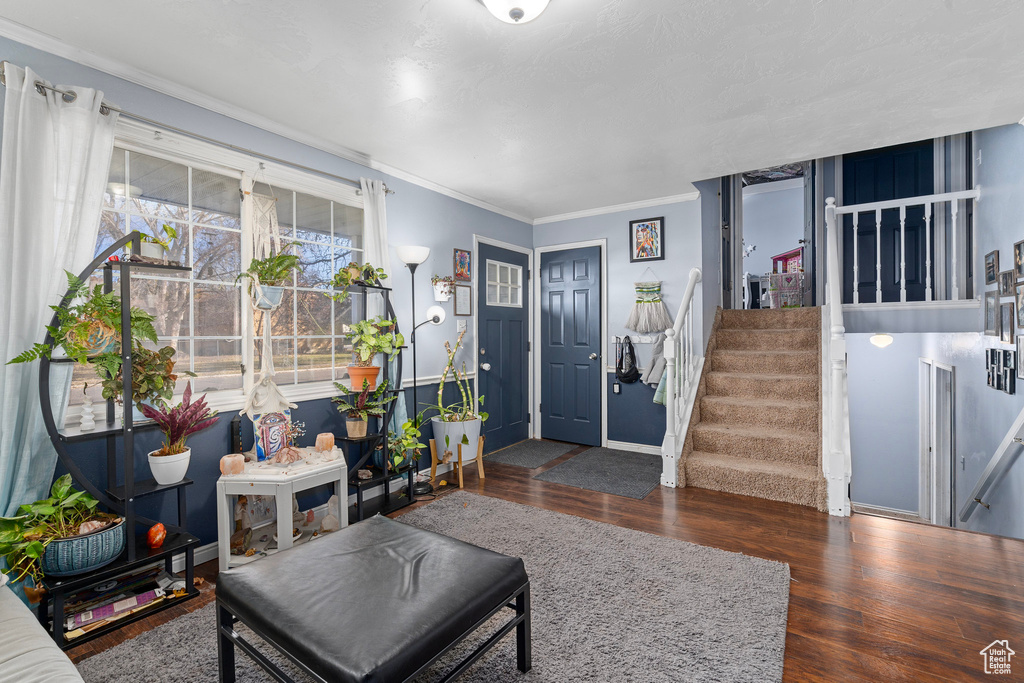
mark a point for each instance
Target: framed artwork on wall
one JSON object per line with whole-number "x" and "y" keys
{"x": 992, "y": 313}
{"x": 461, "y": 266}
{"x": 1018, "y": 260}
{"x": 647, "y": 239}
{"x": 1020, "y": 350}
{"x": 1006, "y": 326}
{"x": 991, "y": 267}
{"x": 1006, "y": 283}
{"x": 1009, "y": 381}
{"x": 463, "y": 300}
{"x": 1018, "y": 303}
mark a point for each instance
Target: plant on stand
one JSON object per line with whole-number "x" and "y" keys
{"x": 444, "y": 287}
{"x": 400, "y": 443}
{"x": 354, "y": 274}
{"x": 267, "y": 275}
{"x": 358, "y": 407}
{"x": 369, "y": 338}
{"x": 60, "y": 535}
{"x": 459, "y": 422}
{"x": 170, "y": 463}
{"x": 155, "y": 247}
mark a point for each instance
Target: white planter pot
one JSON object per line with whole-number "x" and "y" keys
{"x": 440, "y": 295}
{"x": 267, "y": 298}
{"x": 455, "y": 431}
{"x": 169, "y": 469}
{"x": 151, "y": 250}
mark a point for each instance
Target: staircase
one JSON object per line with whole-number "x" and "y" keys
{"x": 756, "y": 429}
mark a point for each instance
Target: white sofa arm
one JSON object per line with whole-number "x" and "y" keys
{"x": 27, "y": 652}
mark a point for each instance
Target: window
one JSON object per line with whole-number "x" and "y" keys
{"x": 204, "y": 313}
{"x": 504, "y": 284}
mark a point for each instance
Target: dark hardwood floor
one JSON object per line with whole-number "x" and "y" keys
{"x": 872, "y": 599}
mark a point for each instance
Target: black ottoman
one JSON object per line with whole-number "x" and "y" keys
{"x": 377, "y": 601}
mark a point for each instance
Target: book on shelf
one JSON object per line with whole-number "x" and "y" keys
{"x": 112, "y": 609}
{"x": 81, "y": 631}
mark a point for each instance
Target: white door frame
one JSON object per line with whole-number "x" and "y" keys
{"x": 477, "y": 241}
{"x": 931, "y": 501}
{"x": 602, "y": 244}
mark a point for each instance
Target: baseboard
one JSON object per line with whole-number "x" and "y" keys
{"x": 638, "y": 447}
{"x": 205, "y": 553}
{"x": 881, "y": 511}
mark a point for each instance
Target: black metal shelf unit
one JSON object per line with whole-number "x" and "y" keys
{"x": 379, "y": 441}
{"x": 119, "y": 498}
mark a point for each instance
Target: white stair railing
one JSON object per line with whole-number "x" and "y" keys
{"x": 933, "y": 204}
{"x": 996, "y": 468}
{"x": 684, "y": 361}
{"x": 836, "y": 460}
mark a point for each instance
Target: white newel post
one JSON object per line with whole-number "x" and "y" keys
{"x": 670, "y": 447}
{"x": 836, "y": 461}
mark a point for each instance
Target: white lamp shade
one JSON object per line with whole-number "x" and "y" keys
{"x": 410, "y": 255}
{"x": 436, "y": 312}
{"x": 881, "y": 340}
{"x": 516, "y": 11}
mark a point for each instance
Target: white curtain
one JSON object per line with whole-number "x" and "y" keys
{"x": 54, "y": 168}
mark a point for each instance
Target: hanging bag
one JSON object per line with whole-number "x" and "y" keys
{"x": 625, "y": 363}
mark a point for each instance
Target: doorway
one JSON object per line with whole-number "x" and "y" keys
{"x": 937, "y": 489}
{"x": 572, "y": 366}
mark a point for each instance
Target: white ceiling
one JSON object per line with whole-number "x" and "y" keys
{"x": 595, "y": 103}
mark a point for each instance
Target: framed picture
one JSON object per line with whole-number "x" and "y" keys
{"x": 1009, "y": 381}
{"x": 992, "y": 313}
{"x": 1020, "y": 350}
{"x": 1018, "y": 301}
{"x": 1009, "y": 359}
{"x": 991, "y": 267}
{"x": 993, "y": 357}
{"x": 991, "y": 379}
{"x": 460, "y": 266}
{"x": 647, "y": 239}
{"x": 1006, "y": 283}
{"x": 1018, "y": 260}
{"x": 463, "y": 300}
{"x": 1006, "y": 326}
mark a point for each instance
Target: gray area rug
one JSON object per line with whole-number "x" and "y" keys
{"x": 609, "y": 604}
{"x": 531, "y": 453}
{"x": 623, "y": 473}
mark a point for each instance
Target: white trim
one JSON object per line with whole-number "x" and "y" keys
{"x": 777, "y": 186}
{"x": 616, "y": 208}
{"x": 32, "y": 38}
{"x": 882, "y": 511}
{"x": 602, "y": 244}
{"x": 534, "y": 427}
{"x": 635, "y": 447}
{"x": 915, "y": 305}
{"x": 424, "y": 380}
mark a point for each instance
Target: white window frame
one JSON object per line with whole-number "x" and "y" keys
{"x": 517, "y": 287}
{"x": 145, "y": 139}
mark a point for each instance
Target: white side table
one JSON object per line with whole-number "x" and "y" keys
{"x": 282, "y": 482}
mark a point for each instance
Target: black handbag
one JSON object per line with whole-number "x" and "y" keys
{"x": 625, "y": 362}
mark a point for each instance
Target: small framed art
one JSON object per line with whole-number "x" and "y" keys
{"x": 1006, "y": 283}
{"x": 1018, "y": 302}
{"x": 1018, "y": 260}
{"x": 992, "y": 313}
{"x": 1006, "y": 326}
{"x": 1020, "y": 354}
{"x": 1009, "y": 381}
{"x": 463, "y": 300}
{"x": 991, "y": 267}
{"x": 461, "y": 266}
{"x": 647, "y": 239}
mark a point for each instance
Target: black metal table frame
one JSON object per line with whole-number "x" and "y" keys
{"x": 228, "y": 638}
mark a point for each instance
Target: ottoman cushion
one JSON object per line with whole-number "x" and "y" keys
{"x": 371, "y": 602}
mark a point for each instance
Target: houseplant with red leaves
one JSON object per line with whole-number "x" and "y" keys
{"x": 170, "y": 462}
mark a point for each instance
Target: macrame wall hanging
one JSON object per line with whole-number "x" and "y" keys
{"x": 649, "y": 313}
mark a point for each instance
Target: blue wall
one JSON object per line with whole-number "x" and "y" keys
{"x": 633, "y": 416}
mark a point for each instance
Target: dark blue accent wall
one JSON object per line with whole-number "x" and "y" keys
{"x": 633, "y": 416}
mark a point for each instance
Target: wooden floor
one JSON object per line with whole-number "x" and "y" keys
{"x": 872, "y": 599}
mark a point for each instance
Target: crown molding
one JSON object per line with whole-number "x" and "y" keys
{"x": 54, "y": 46}
{"x": 777, "y": 186}
{"x": 616, "y": 208}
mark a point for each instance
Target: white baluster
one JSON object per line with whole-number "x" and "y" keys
{"x": 856, "y": 259}
{"x": 903, "y": 254}
{"x": 954, "y": 207}
{"x": 928, "y": 251}
{"x": 878, "y": 256}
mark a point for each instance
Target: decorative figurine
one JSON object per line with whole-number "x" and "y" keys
{"x": 242, "y": 536}
{"x": 88, "y": 421}
{"x": 270, "y": 413}
{"x": 156, "y": 535}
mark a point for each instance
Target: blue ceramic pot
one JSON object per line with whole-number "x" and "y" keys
{"x": 80, "y": 554}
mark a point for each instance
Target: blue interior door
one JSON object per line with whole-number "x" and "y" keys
{"x": 503, "y": 290}
{"x": 571, "y": 364}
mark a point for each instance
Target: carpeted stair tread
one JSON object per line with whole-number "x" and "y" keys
{"x": 795, "y": 415}
{"x": 785, "y": 361}
{"x": 786, "y": 482}
{"x": 772, "y": 318}
{"x": 769, "y": 385}
{"x": 758, "y": 443}
{"x": 769, "y": 340}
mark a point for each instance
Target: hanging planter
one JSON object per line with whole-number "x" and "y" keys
{"x": 444, "y": 287}
{"x": 267, "y": 298}
{"x": 267, "y": 276}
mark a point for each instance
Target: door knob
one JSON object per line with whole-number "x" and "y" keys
{"x": 485, "y": 366}
{"x": 593, "y": 356}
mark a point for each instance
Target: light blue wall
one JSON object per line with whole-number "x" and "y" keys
{"x": 711, "y": 250}
{"x": 773, "y": 221}
{"x": 416, "y": 215}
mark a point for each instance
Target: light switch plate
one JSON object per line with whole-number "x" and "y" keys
{"x": 460, "y": 326}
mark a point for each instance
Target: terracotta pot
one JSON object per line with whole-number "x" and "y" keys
{"x": 355, "y": 428}
{"x": 357, "y": 373}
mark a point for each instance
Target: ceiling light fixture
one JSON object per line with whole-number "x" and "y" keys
{"x": 881, "y": 340}
{"x": 516, "y": 11}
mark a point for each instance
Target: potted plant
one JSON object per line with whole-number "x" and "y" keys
{"x": 444, "y": 287}
{"x": 358, "y": 407}
{"x": 370, "y": 337}
{"x": 459, "y": 422}
{"x": 156, "y": 246}
{"x": 354, "y": 274}
{"x": 400, "y": 443}
{"x": 153, "y": 376}
{"x": 266, "y": 277}
{"x": 60, "y": 535}
{"x": 170, "y": 463}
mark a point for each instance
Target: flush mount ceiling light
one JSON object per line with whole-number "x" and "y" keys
{"x": 516, "y": 11}
{"x": 881, "y": 340}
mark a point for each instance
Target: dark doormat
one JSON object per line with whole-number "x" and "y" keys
{"x": 531, "y": 453}
{"x": 623, "y": 473}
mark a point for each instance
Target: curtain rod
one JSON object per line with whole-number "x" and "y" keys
{"x": 70, "y": 96}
